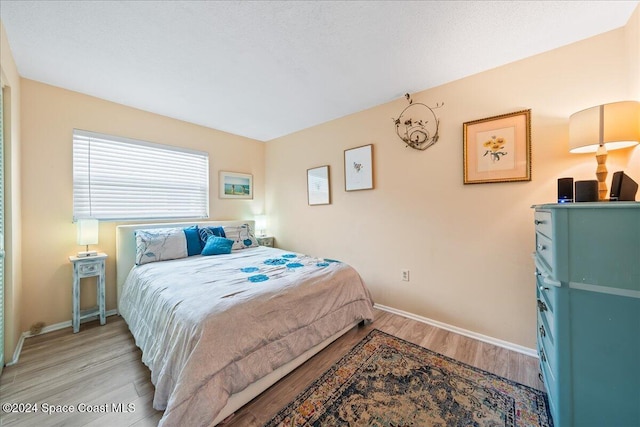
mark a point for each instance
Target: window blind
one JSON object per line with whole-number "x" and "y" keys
{"x": 117, "y": 178}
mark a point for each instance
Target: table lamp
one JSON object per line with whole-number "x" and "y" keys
{"x": 601, "y": 128}
{"x": 87, "y": 235}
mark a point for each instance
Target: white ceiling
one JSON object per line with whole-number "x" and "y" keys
{"x": 264, "y": 69}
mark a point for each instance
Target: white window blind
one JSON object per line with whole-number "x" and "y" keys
{"x": 118, "y": 178}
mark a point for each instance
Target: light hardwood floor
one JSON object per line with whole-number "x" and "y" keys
{"x": 101, "y": 366}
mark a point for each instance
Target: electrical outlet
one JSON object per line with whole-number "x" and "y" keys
{"x": 405, "y": 275}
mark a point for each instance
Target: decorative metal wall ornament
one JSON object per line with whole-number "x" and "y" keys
{"x": 417, "y": 125}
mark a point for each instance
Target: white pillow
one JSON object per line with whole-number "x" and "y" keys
{"x": 160, "y": 244}
{"x": 242, "y": 236}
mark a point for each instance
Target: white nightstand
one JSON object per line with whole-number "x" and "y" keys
{"x": 267, "y": 241}
{"x": 92, "y": 266}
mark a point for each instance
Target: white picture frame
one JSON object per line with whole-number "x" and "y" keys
{"x": 234, "y": 185}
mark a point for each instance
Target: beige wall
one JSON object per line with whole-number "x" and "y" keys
{"x": 469, "y": 247}
{"x": 12, "y": 209}
{"x": 49, "y": 115}
{"x": 633, "y": 45}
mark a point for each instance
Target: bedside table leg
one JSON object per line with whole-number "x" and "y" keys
{"x": 101, "y": 303}
{"x": 76, "y": 304}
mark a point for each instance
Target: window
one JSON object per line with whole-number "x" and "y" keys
{"x": 123, "y": 179}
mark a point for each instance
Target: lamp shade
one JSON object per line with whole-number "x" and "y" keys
{"x": 261, "y": 223}
{"x": 615, "y": 125}
{"x": 87, "y": 231}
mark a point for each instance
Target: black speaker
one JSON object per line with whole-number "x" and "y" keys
{"x": 587, "y": 191}
{"x": 565, "y": 190}
{"x": 623, "y": 188}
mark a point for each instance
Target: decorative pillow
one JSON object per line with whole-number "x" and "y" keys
{"x": 242, "y": 236}
{"x": 160, "y": 245}
{"x": 217, "y": 246}
{"x": 207, "y": 232}
{"x": 193, "y": 240}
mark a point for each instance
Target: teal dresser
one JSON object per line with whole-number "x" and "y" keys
{"x": 588, "y": 297}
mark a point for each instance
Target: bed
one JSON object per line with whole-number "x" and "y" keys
{"x": 217, "y": 330}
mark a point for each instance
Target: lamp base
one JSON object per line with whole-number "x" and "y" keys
{"x": 601, "y": 173}
{"x": 85, "y": 254}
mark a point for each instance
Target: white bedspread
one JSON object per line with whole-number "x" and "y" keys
{"x": 210, "y": 326}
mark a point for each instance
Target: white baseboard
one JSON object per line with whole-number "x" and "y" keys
{"x": 495, "y": 341}
{"x": 50, "y": 328}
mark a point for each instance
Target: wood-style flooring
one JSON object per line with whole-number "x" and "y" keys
{"x": 101, "y": 366}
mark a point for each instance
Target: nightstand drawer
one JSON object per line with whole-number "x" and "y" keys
{"x": 89, "y": 268}
{"x": 266, "y": 241}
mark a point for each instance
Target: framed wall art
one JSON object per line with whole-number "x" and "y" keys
{"x": 498, "y": 149}
{"x": 358, "y": 168}
{"x": 235, "y": 185}
{"x": 318, "y": 186}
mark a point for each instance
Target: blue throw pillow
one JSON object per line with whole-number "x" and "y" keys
{"x": 193, "y": 240}
{"x": 206, "y": 232}
{"x": 217, "y": 246}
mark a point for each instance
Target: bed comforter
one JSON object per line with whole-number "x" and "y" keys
{"x": 210, "y": 326}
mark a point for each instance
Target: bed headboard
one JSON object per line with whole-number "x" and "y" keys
{"x": 126, "y": 243}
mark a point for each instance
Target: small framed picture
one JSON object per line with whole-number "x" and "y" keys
{"x": 498, "y": 149}
{"x": 236, "y": 185}
{"x": 358, "y": 168}
{"x": 318, "y": 186}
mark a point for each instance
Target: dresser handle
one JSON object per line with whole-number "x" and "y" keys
{"x": 543, "y": 356}
{"x": 542, "y": 306}
{"x": 541, "y": 247}
{"x": 542, "y": 288}
{"x": 540, "y": 376}
{"x": 538, "y": 222}
{"x": 543, "y": 333}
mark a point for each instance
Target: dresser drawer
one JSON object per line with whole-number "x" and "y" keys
{"x": 546, "y": 293}
{"x": 544, "y": 252}
{"x": 551, "y": 382}
{"x": 543, "y": 312}
{"x": 542, "y": 220}
{"x": 549, "y": 323}
{"x": 551, "y": 385}
{"x": 546, "y": 339}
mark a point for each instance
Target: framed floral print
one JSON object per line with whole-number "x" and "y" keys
{"x": 498, "y": 149}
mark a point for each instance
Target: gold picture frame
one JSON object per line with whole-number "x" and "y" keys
{"x": 498, "y": 148}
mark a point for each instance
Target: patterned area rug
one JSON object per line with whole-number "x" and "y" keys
{"x": 385, "y": 381}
